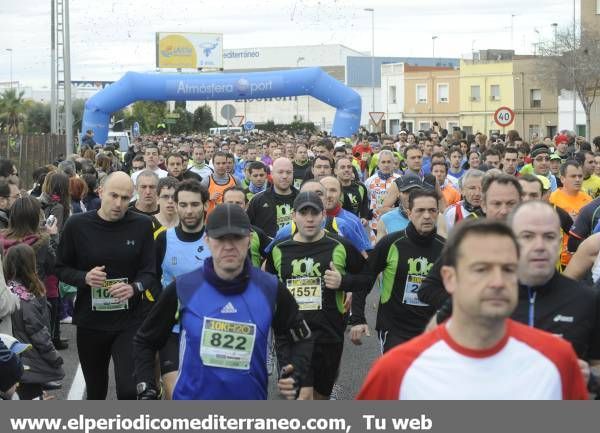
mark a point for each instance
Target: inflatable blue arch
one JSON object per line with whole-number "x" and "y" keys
{"x": 136, "y": 86}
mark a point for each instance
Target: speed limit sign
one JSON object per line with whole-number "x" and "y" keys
{"x": 504, "y": 116}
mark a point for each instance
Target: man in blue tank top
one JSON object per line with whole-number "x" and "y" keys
{"x": 226, "y": 308}
{"x": 180, "y": 250}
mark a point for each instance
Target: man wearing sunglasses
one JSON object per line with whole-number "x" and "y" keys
{"x": 540, "y": 159}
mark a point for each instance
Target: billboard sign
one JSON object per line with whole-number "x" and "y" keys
{"x": 189, "y": 50}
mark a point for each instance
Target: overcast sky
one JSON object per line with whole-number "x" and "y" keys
{"x": 110, "y": 37}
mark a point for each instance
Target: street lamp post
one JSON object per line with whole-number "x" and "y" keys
{"x": 433, "y": 38}
{"x": 372, "y": 11}
{"x": 10, "y": 50}
{"x": 512, "y": 31}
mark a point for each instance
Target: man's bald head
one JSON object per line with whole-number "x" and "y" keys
{"x": 533, "y": 207}
{"x": 116, "y": 193}
{"x": 537, "y": 228}
{"x": 327, "y": 180}
{"x": 282, "y": 163}
{"x": 333, "y": 192}
{"x": 119, "y": 178}
{"x": 283, "y": 175}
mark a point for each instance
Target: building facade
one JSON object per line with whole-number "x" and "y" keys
{"x": 431, "y": 95}
{"x": 535, "y": 102}
{"x": 485, "y": 86}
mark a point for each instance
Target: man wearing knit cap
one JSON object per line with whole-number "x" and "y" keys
{"x": 540, "y": 159}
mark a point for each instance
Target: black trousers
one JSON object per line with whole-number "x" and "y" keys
{"x": 95, "y": 349}
{"x": 55, "y": 306}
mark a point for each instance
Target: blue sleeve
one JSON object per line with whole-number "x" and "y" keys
{"x": 282, "y": 233}
{"x": 348, "y": 231}
{"x": 596, "y": 229}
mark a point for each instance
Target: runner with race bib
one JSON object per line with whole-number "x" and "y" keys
{"x": 311, "y": 264}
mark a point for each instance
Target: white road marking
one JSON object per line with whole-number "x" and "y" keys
{"x": 78, "y": 386}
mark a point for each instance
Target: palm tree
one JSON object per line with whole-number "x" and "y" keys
{"x": 12, "y": 110}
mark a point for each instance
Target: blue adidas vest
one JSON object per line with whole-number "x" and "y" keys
{"x": 199, "y": 300}
{"x": 182, "y": 257}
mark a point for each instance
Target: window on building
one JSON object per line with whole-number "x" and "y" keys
{"x": 534, "y": 129}
{"x": 392, "y": 94}
{"x": 581, "y": 130}
{"x": 443, "y": 92}
{"x": 467, "y": 129}
{"x": 451, "y": 125}
{"x": 597, "y": 7}
{"x": 494, "y": 92}
{"x": 421, "y": 93}
{"x": 536, "y": 98}
{"x": 475, "y": 93}
{"x": 424, "y": 126}
{"x": 409, "y": 126}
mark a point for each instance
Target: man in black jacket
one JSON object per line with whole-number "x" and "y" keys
{"x": 403, "y": 258}
{"x": 271, "y": 209}
{"x": 547, "y": 299}
{"x": 109, "y": 256}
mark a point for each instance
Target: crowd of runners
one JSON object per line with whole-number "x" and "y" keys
{"x": 197, "y": 264}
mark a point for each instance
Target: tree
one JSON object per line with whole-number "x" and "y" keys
{"x": 77, "y": 107}
{"x": 37, "y": 118}
{"x": 12, "y": 110}
{"x": 149, "y": 114}
{"x": 571, "y": 61}
{"x": 203, "y": 119}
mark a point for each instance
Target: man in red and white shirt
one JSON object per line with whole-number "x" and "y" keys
{"x": 479, "y": 353}
{"x": 377, "y": 186}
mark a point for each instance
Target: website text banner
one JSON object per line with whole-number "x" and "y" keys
{"x": 283, "y": 416}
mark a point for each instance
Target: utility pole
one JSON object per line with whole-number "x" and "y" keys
{"x": 372, "y": 11}
{"x": 574, "y": 78}
{"x": 61, "y": 113}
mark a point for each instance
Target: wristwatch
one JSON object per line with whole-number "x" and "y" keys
{"x": 138, "y": 287}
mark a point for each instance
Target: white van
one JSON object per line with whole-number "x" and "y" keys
{"x": 120, "y": 139}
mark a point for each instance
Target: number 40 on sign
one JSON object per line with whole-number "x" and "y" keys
{"x": 504, "y": 116}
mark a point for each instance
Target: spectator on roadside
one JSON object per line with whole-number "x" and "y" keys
{"x": 38, "y": 176}
{"x": 30, "y": 323}
{"x": 77, "y": 190}
{"x": 88, "y": 139}
{"x": 91, "y": 200}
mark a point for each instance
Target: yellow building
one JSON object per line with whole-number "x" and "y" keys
{"x": 485, "y": 86}
{"x": 488, "y": 85}
{"x": 536, "y": 102}
{"x": 431, "y": 94}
